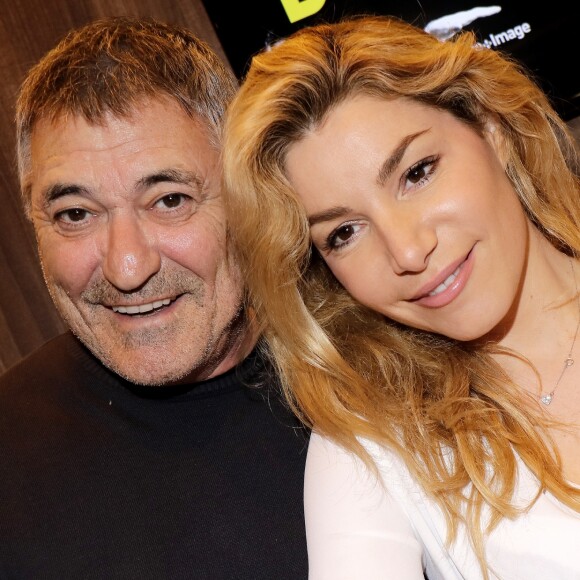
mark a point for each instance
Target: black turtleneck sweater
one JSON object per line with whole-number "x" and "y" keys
{"x": 100, "y": 479}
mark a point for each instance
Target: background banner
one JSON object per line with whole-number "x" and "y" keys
{"x": 543, "y": 36}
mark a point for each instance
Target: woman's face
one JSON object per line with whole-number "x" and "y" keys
{"x": 413, "y": 212}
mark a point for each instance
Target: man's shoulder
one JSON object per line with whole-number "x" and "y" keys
{"x": 52, "y": 356}
{"x": 261, "y": 384}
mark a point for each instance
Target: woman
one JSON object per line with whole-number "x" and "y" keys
{"x": 407, "y": 213}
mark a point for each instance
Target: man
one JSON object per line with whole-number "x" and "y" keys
{"x": 149, "y": 442}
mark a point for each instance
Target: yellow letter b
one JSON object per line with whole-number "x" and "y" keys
{"x": 299, "y": 9}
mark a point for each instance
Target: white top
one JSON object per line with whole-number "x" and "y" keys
{"x": 358, "y": 529}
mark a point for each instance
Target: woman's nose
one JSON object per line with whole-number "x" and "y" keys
{"x": 410, "y": 240}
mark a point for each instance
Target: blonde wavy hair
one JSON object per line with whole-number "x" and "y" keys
{"x": 345, "y": 369}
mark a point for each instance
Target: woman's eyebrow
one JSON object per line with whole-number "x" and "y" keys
{"x": 328, "y": 215}
{"x": 390, "y": 163}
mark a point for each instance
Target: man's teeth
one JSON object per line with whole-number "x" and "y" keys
{"x": 445, "y": 284}
{"x": 142, "y": 308}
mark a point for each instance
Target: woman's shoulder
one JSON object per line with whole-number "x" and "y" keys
{"x": 385, "y": 475}
{"x": 345, "y": 497}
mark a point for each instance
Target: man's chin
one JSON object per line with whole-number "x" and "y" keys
{"x": 150, "y": 367}
{"x": 147, "y": 375}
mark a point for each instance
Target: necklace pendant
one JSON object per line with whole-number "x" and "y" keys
{"x": 546, "y": 399}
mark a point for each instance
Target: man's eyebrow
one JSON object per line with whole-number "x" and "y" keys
{"x": 328, "y": 214}
{"x": 391, "y": 162}
{"x": 165, "y": 175}
{"x": 171, "y": 176}
{"x": 58, "y": 190}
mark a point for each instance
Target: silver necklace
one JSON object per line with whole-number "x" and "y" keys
{"x": 568, "y": 361}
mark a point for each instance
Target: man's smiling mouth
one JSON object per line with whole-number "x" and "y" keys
{"x": 142, "y": 308}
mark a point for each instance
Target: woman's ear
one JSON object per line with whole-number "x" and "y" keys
{"x": 495, "y": 137}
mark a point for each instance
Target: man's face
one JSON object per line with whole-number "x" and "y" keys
{"x": 132, "y": 239}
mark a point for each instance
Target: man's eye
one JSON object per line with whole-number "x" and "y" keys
{"x": 74, "y": 215}
{"x": 171, "y": 201}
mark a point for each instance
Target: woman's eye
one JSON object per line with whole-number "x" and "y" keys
{"x": 342, "y": 236}
{"x": 419, "y": 173}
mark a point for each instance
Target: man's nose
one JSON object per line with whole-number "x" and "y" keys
{"x": 131, "y": 255}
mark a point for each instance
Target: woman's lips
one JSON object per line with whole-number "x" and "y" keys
{"x": 447, "y": 285}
